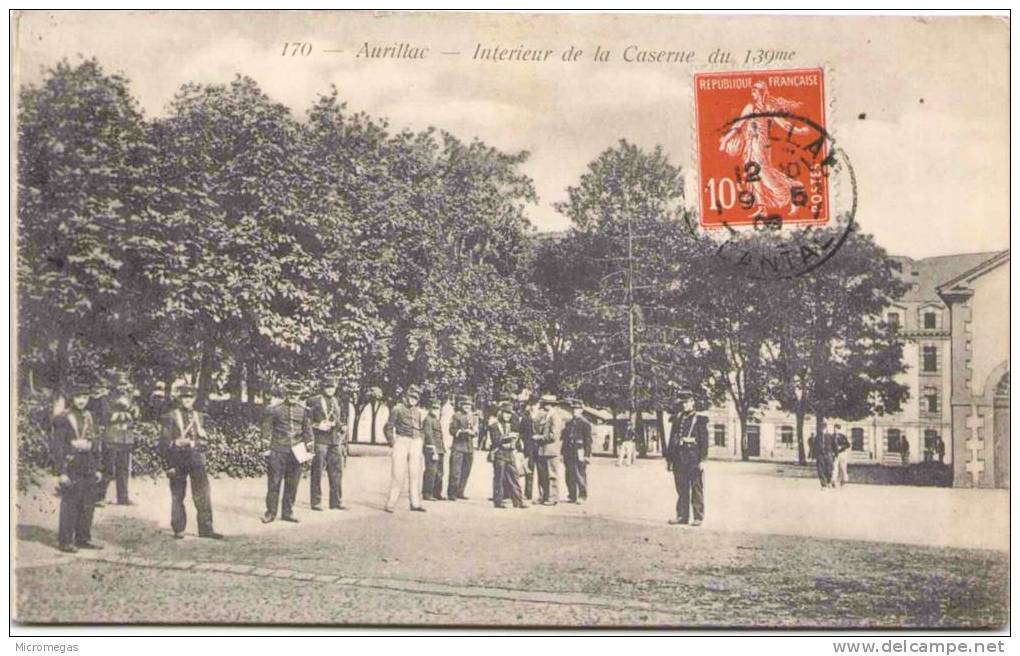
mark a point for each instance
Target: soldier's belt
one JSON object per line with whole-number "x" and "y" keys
{"x": 688, "y": 440}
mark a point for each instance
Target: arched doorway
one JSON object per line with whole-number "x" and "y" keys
{"x": 1000, "y": 431}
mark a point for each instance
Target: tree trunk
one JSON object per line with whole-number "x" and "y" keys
{"x": 375, "y": 412}
{"x": 63, "y": 364}
{"x": 742, "y": 416}
{"x": 359, "y": 408}
{"x": 251, "y": 369}
{"x": 204, "y": 376}
{"x": 799, "y": 418}
{"x": 235, "y": 381}
{"x": 819, "y": 427}
{"x": 616, "y": 436}
{"x": 31, "y": 381}
{"x": 660, "y": 424}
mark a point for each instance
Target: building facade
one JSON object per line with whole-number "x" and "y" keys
{"x": 934, "y": 411}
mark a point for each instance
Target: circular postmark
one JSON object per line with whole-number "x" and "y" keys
{"x": 787, "y": 165}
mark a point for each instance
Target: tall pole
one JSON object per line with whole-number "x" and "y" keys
{"x": 631, "y": 342}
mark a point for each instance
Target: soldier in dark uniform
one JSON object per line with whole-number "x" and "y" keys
{"x": 285, "y": 425}
{"x": 182, "y": 442}
{"x": 577, "y": 444}
{"x": 505, "y": 441}
{"x": 464, "y": 430}
{"x": 685, "y": 455}
{"x": 527, "y": 424}
{"x": 76, "y": 459}
{"x": 99, "y": 407}
{"x": 825, "y": 455}
{"x": 329, "y": 427}
{"x": 435, "y": 452}
{"x": 118, "y": 438}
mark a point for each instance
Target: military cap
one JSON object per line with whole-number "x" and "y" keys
{"x": 187, "y": 390}
{"x": 683, "y": 394}
{"x": 548, "y": 399}
{"x": 576, "y": 403}
{"x": 434, "y": 402}
{"x": 534, "y": 398}
{"x": 464, "y": 399}
{"x": 80, "y": 389}
{"x": 330, "y": 381}
{"x": 292, "y": 386}
{"x": 413, "y": 390}
{"x": 505, "y": 406}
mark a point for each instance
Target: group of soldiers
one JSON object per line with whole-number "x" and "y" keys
{"x": 543, "y": 438}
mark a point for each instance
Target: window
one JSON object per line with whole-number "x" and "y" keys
{"x": 857, "y": 439}
{"x": 931, "y": 439}
{"x": 894, "y": 440}
{"x": 931, "y": 399}
{"x": 786, "y": 435}
{"x": 930, "y": 321}
{"x": 719, "y": 434}
{"x": 929, "y": 359}
{"x": 893, "y": 320}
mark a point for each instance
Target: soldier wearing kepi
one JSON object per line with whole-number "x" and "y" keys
{"x": 505, "y": 441}
{"x": 435, "y": 452}
{"x": 76, "y": 457}
{"x": 529, "y": 428}
{"x": 182, "y": 441}
{"x": 286, "y": 426}
{"x": 118, "y": 438}
{"x": 329, "y": 428}
{"x": 685, "y": 454}
{"x": 550, "y": 448}
{"x": 405, "y": 432}
{"x": 577, "y": 453}
{"x": 464, "y": 430}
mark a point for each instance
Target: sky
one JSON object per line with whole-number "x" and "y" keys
{"x": 919, "y": 105}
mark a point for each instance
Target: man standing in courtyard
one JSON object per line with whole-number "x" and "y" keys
{"x": 435, "y": 453}
{"x": 405, "y": 432}
{"x": 577, "y": 453}
{"x": 528, "y": 430}
{"x": 325, "y": 414}
{"x": 118, "y": 438}
{"x": 182, "y": 441}
{"x": 464, "y": 431}
{"x": 550, "y": 449}
{"x": 76, "y": 458}
{"x": 825, "y": 454}
{"x": 686, "y": 453}
{"x": 504, "y": 438}
{"x": 841, "y": 474}
{"x": 287, "y": 429}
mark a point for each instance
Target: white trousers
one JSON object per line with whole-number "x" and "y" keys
{"x": 407, "y": 470}
{"x": 840, "y": 474}
{"x": 625, "y": 453}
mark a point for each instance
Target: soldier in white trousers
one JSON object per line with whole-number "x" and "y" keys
{"x": 404, "y": 432}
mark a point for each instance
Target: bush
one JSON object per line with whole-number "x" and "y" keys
{"x": 235, "y": 447}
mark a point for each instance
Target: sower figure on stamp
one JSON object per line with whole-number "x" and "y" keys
{"x": 464, "y": 431}
{"x": 685, "y": 455}
{"x": 182, "y": 440}
{"x": 577, "y": 453}
{"x": 118, "y": 439}
{"x": 325, "y": 414}
{"x": 288, "y": 430}
{"x": 550, "y": 448}
{"x": 405, "y": 433}
{"x": 505, "y": 438}
{"x": 76, "y": 459}
{"x": 435, "y": 452}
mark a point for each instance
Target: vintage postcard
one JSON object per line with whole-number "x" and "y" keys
{"x": 715, "y": 307}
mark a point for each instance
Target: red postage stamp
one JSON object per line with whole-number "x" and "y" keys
{"x": 762, "y": 148}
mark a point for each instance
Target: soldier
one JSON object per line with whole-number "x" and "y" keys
{"x": 528, "y": 430}
{"x": 404, "y": 430}
{"x": 182, "y": 441}
{"x": 825, "y": 454}
{"x": 99, "y": 407}
{"x": 435, "y": 452}
{"x": 118, "y": 439}
{"x": 464, "y": 430}
{"x": 626, "y": 446}
{"x": 285, "y": 426}
{"x": 329, "y": 427}
{"x": 577, "y": 443}
{"x": 550, "y": 448}
{"x": 505, "y": 441}
{"x": 685, "y": 455}
{"x": 76, "y": 459}
{"x": 841, "y": 445}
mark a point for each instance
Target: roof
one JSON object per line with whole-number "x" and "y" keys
{"x": 932, "y": 272}
{"x": 977, "y": 271}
